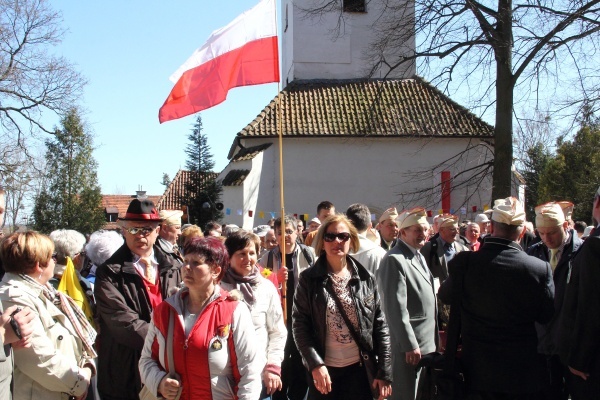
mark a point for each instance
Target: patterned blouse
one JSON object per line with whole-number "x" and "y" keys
{"x": 340, "y": 348}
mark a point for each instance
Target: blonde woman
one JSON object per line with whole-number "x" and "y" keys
{"x": 59, "y": 361}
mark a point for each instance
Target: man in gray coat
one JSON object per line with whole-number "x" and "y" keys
{"x": 409, "y": 303}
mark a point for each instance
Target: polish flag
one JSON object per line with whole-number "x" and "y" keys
{"x": 242, "y": 53}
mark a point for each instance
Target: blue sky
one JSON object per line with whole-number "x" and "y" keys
{"x": 127, "y": 50}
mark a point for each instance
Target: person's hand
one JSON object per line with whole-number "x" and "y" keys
{"x": 582, "y": 375}
{"x": 83, "y": 396}
{"x": 272, "y": 382}
{"x": 168, "y": 387}
{"x": 321, "y": 379}
{"x": 282, "y": 274}
{"x": 23, "y": 319}
{"x": 86, "y": 373}
{"x": 383, "y": 387}
{"x": 413, "y": 357}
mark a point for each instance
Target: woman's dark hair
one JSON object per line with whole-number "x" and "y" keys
{"x": 212, "y": 250}
{"x": 240, "y": 240}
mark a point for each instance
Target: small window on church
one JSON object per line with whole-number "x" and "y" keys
{"x": 354, "y": 6}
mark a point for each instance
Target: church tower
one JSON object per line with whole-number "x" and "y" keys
{"x": 333, "y": 44}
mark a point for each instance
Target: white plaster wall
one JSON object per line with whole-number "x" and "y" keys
{"x": 311, "y": 49}
{"x": 345, "y": 171}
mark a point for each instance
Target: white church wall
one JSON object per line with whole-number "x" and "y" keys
{"x": 346, "y": 171}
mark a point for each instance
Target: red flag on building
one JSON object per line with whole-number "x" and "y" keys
{"x": 240, "y": 54}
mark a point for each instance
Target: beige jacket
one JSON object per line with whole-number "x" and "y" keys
{"x": 49, "y": 369}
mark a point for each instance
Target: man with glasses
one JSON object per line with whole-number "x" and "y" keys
{"x": 298, "y": 257}
{"x": 409, "y": 303}
{"x": 129, "y": 285}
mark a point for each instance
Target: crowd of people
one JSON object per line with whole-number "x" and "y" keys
{"x": 331, "y": 308}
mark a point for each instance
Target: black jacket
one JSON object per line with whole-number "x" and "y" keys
{"x": 310, "y": 321}
{"x": 505, "y": 292}
{"x": 548, "y": 334}
{"x": 124, "y": 312}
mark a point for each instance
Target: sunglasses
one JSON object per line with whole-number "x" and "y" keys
{"x": 54, "y": 256}
{"x": 146, "y": 230}
{"x": 330, "y": 237}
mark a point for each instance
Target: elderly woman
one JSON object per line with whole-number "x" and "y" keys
{"x": 59, "y": 362}
{"x": 338, "y": 324}
{"x": 214, "y": 350}
{"x": 262, "y": 298}
{"x": 100, "y": 247}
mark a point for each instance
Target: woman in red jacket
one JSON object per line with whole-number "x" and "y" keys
{"x": 213, "y": 349}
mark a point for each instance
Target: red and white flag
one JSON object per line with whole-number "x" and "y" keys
{"x": 240, "y": 54}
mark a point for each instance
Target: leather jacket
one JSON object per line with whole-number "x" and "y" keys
{"x": 309, "y": 321}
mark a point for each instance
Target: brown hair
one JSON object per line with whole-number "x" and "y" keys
{"x": 240, "y": 240}
{"x": 332, "y": 220}
{"x": 22, "y": 250}
{"x": 192, "y": 231}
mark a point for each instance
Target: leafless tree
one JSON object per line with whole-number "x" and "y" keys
{"x": 490, "y": 49}
{"x": 33, "y": 82}
{"x": 22, "y": 177}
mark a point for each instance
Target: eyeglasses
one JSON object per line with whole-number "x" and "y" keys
{"x": 287, "y": 232}
{"x": 145, "y": 230}
{"x": 330, "y": 237}
{"x": 54, "y": 256}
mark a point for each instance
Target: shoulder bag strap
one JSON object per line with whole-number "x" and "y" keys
{"x": 170, "y": 344}
{"x": 172, "y": 373}
{"x": 338, "y": 303}
{"x": 307, "y": 255}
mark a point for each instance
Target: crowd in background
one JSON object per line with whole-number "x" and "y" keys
{"x": 336, "y": 307}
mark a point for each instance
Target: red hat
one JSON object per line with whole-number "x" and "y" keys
{"x": 141, "y": 210}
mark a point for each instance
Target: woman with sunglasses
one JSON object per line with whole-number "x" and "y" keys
{"x": 338, "y": 324}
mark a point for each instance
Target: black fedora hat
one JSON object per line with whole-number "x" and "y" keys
{"x": 141, "y": 210}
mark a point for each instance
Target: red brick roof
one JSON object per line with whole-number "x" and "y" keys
{"x": 119, "y": 203}
{"x": 171, "y": 199}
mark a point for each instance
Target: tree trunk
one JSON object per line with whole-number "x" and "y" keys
{"x": 503, "y": 132}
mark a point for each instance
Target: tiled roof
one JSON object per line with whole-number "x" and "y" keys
{"x": 235, "y": 177}
{"x": 171, "y": 199}
{"x": 112, "y": 203}
{"x": 366, "y": 107}
{"x": 249, "y": 153}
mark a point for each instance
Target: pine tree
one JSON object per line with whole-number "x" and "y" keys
{"x": 203, "y": 191}
{"x": 71, "y": 199}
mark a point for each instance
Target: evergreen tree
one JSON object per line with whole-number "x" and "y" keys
{"x": 534, "y": 164}
{"x": 574, "y": 173}
{"x": 71, "y": 199}
{"x": 203, "y": 191}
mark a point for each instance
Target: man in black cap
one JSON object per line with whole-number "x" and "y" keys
{"x": 129, "y": 285}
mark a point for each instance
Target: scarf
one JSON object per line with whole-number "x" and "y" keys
{"x": 84, "y": 330}
{"x": 245, "y": 284}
